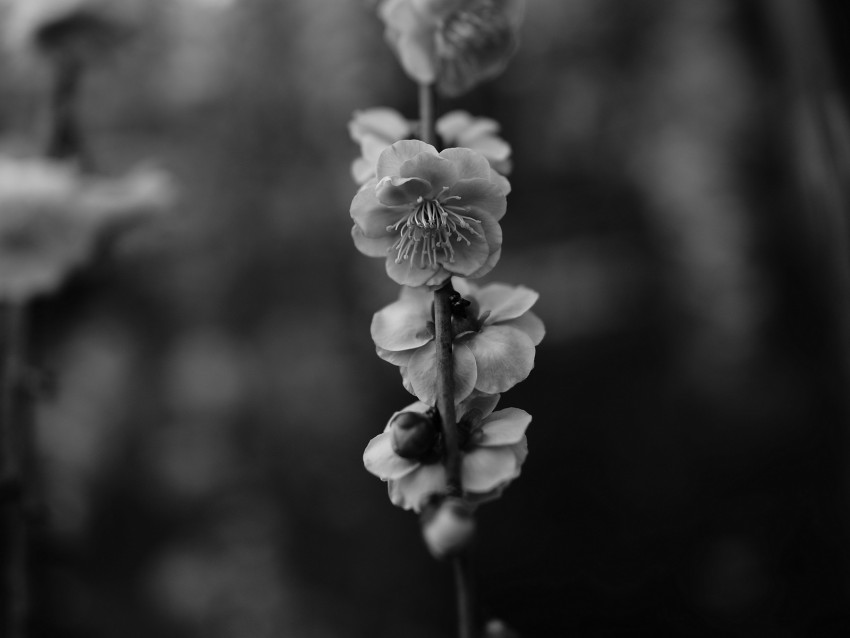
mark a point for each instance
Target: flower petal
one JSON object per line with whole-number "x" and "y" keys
{"x": 500, "y": 180}
{"x": 371, "y": 246}
{"x": 504, "y": 356}
{"x": 485, "y": 403}
{"x": 397, "y": 154}
{"x": 380, "y": 459}
{"x": 371, "y": 215}
{"x": 395, "y": 191}
{"x": 383, "y": 123}
{"x": 484, "y": 469}
{"x": 407, "y": 272}
{"x": 362, "y": 170}
{"x": 422, "y": 372}
{"x": 469, "y": 258}
{"x": 469, "y": 164}
{"x": 399, "y": 358}
{"x": 530, "y": 324}
{"x": 505, "y": 302}
{"x": 412, "y": 491}
{"x": 493, "y": 238}
{"x": 504, "y": 427}
{"x": 404, "y": 324}
{"x": 439, "y": 171}
{"x": 521, "y": 451}
{"x": 450, "y": 126}
{"x": 481, "y": 194}
{"x": 492, "y": 260}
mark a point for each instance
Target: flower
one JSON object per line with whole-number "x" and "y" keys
{"x": 459, "y": 128}
{"x": 430, "y": 214}
{"x": 50, "y": 215}
{"x": 493, "y": 448}
{"x": 494, "y": 338}
{"x": 377, "y": 128}
{"x": 448, "y": 528}
{"x": 453, "y": 43}
{"x": 79, "y": 29}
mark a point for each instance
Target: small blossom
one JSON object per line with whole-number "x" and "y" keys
{"x": 50, "y": 216}
{"x": 74, "y": 29}
{"x": 493, "y": 447}
{"x": 377, "y": 128}
{"x": 448, "y": 528}
{"x": 430, "y": 214}
{"x": 494, "y": 338}
{"x": 453, "y": 43}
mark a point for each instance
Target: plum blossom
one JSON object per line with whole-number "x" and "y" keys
{"x": 375, "y": 129}
{"x": 430, "y": 215}
{"x": 494, "y": 338}
{"x": 454, "y": 44}
{"x": 81, "y": 29}
{"x": 50, "y": 216}
{"x": 493, "y": 448}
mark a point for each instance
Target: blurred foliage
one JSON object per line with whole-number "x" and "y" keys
{"x": 215, "y": 382}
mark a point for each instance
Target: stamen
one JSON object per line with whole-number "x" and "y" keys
{"x": 430, "y": 227}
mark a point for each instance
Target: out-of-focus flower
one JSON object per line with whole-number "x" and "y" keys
{"x": 448, "y": 528}
{"x": 124, "y": 199}
{"x": 377, "y": 128}
{"x": 374, "y": 130}
{"x": 494, "y": 332}
{"x": 453, "y": 43}
{"x": 430, "y": 214}
{"x": 481, "y": 134}
{"x": 80, "y": 30}
{"x": 496, "y": 628}
{"x": 492, "y": 444}
{"x": 50, "y": 215}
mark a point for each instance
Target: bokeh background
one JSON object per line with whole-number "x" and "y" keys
{"x": 679, "y": 200}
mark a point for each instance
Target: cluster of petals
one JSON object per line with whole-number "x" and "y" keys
{"x": 375, "y": 129}
{"x": 50, "y": 216}
{"x": 431, "y": 215}
{"x": 454, "y": 44}
{"x": 492, "y": 456}
{"x": 493, "y": 347}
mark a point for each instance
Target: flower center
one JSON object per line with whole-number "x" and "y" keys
{"x": 430, "y": 228}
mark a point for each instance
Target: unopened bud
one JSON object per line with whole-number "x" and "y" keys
{"x": 413, "y": 435}
{"x": 449, "y": 529}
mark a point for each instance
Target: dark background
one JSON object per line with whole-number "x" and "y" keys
{"x": 679, "y": 200}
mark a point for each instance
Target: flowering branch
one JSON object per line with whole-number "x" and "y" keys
{"x": 433, "y": 217}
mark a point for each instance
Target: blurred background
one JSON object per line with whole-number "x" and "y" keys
{"x": 679, "y": 200}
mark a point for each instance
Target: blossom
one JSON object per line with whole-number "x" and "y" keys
{"x": 493, "y": 448}
{"x": 448, "y": 528}
{"x": 377, "y": 128}
{"x": 494, "y": 338}
{"x": 453, "y": 43}
{"x": 430, "y": 214}
{"x": 82, "y": 29}
{"x": 50, "y": 216}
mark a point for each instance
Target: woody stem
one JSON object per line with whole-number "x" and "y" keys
{"x": 445, "y": 397}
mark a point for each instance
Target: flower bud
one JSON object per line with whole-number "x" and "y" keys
{"x": 449, "y": 529}
{"x": 413, "y": 435}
